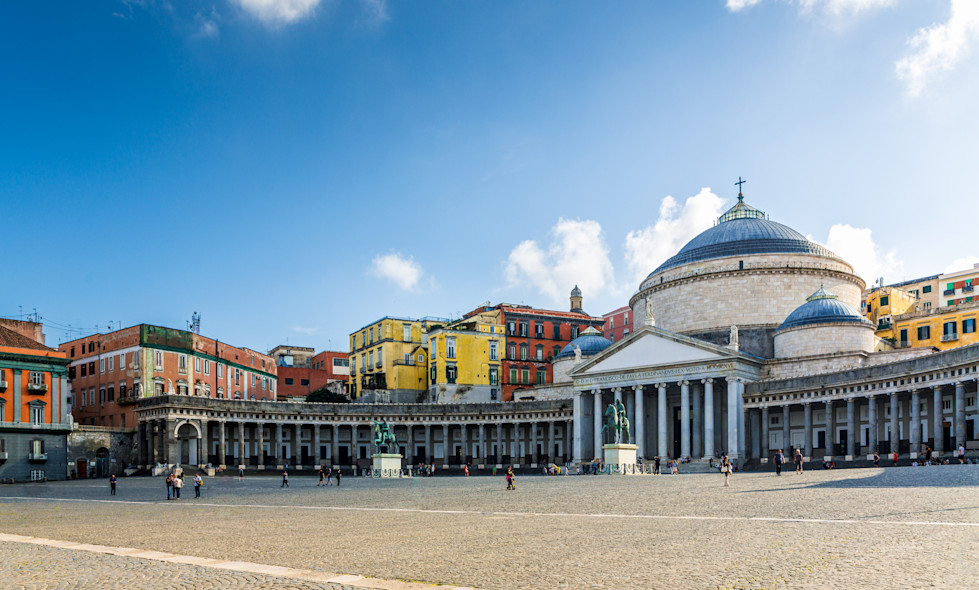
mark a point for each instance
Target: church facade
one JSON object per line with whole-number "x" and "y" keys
{"x": 749, "y": 340}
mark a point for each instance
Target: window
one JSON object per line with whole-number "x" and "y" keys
{"x": 513, "y": 376}
{"x": 181, "y": 363}
{"x": 556, "y": 351}
{"x": 37, "y": 378}
{"x": 512, "y": 352}
{"x": 372, "y": 335}
{"x": 492, "y": 394}
{"x": 574, "y": 332}
{"x": 37, "y": 447}
{"x": 523, "y": 328}
{"x": 111, "y": 368}
{"x": 540, "y": 352}
{"x": 525, "y": 376}
{"x": 434, "y": 372}
{"x": 421, "y": 358}
{"x": 969, "y": 326}
{"x": 884, "y": 301}
{"x": 339, "y": 362}
{"x": 511, "y": 328}
{"x": 611, "y": 322}
{"x": 450, "y": 373}
{"x": 353, "y": 342}
{"x": 304, "y": 382}
{"x": 37, "y": 415}
{"x": 253, "y": 379}
{"x": 541, "y": 377}
{"x": 557, "y": 331}
{"x": 237, "y": 376}
{"x": 122, "y": 362}
{"x": 84, "y": 372}
{"x": 926, "y": 289}
{"x": 523, "y": 351}
{"x": 197, "y": 364}
{"x": 72, "y": 352}
{"x": 950, "y": 328}
{"x": 494, "y": 376}
{"x": 380, "y": 361}
{"x": 158, "y": 359}
{"x": 220, "y": 371}
{"x": 924, "y": 332}
{"x": 539, "y": 329}
{"x": 450, "y": 348}
{"x": 122, "y": 389}
{"x": 91, "y": 367}
{"x": 135, "y": 359}
{"x": 494, "y": 353}
{"x": 110, "y": 394}
{"x": 265, "y": 382}
{"x": 370, "y": 359}
{"x": 91, "y": 347}
{"x": 207, "y": 367}
{"x": 947, "y": 404}
{"x": 353, "y": 365}
{"x": 406, "y": 332}
{"x": 927, "y": 305}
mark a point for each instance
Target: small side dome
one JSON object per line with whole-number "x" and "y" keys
{"x": 823, "y": 308}
{"x": 590, "y": 341}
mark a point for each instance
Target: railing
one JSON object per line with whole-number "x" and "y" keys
{"x": 967, "y": 289}
{"x": 37, "y": 388}
{"x": 948, "y": 292}
{"x": 3, "y": 456}
{"x": 37, "y": 457}
{"x": 904, "y": 344}
{"x": 949, "y": 337}
{"x": 3, "y": 386}
{"x": 883, "y": 325}
{"x": 404, "y": 363}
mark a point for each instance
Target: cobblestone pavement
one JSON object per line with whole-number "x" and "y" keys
{"x": 906, "y": 527}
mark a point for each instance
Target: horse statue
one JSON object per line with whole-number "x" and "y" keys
{"x": 383, "y": 436}
{"x": 616, "y": 423}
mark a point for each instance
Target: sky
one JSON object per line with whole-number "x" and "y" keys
{"x": 293, "y": 170}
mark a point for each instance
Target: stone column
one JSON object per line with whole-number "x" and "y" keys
{"x": 222, "y": 459}
{"x": 578, "y": 408}
{"x": 852, "y": 427}
{"x": 630, "y": 412}
{"x": 640, "y": 421}
{"x": 661, "y": 420}
{"x": 534, "y": 457}
{"x": 742, "y": 415}
{"x": 446, "y": 444}
{"x": 807, "y": 429}
{"x": 733, "y": 419}
{"x": 150, "y": 448}
{"x": 335, "y": 444}
{"x": 551, "y": 439}
{"x": 915, "y": 421}
{"x": 278, "y": 446}
{"x": 617, "y": 393}
{"x": 498, "y": 459}
{"x": 241, "y": 443}
{"x": 872, "y": 425}
{"x": 260, "y": 435}
{"x": 141, "y": 438}
{"x": 959, "y": 413}
{"x": 482, "y": 444}
{"x": 597, "y": 394}
{"x": 317, "y": 460}
{"x": 698, "y": 422}
{"x": 764, "y": 433}
{"x": 708, "y": 418}
{"x": 684, "y": 418}
{"x": 786, "y": 430}
{"x": 830, "y": 424}
{"x": 895, "y": 431}
{"x": 171, "y": 447}
{"x": 410, "y": 443}
{"x": 429, "y": 454}
{"x": 938, "y": 419}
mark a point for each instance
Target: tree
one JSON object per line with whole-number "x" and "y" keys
{"x": 325, "y": 396}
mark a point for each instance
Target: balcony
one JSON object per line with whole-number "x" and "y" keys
{"x": 3, "y": 386}
{"x": 125, "y": 400}
{"x": 949, "y": 337}
{"x": 967, "y": 289}
{"x": 404, "y": 363}
{"x": 37, "y": 457}
{"x": 3, "y": 455}
{"x": 883, "y": 325}
{"x": 903, "y": 344}
{"x": 948, "y": 292}
{"x": 38, "y": 388}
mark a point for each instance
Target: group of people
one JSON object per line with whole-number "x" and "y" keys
{"x": 175, "y": 483}
{"x": 326, "y": 477}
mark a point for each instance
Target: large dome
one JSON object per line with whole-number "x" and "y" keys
{"x": 823, "y": 308}
{"x": 743, "y": 230}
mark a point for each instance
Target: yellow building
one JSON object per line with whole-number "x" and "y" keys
{"x": 465, "y": 360}
{"x": 389, "y": 359}
{"x": 885, "y": 302}
{"x": 943, "y": 327}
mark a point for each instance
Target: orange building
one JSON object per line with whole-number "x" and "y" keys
{"x": 34, "y": 423}
{"x": 109, "y": 373}
{"x": 301, "y": 377}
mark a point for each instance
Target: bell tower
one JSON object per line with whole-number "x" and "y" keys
{"x": 576, "y": 299}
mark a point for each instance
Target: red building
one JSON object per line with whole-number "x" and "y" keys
{"x": 618, "y": 323}
{"x": 533, "y": 338}
{"x": 110, "y": 372}
{"x": 328, "y": 368}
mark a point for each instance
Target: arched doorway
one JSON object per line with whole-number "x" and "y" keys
{"x": 102, "y": 462}
{"x": 188, "y": 444}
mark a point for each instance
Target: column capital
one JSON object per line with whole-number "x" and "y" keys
{"x": 683, "y": 382}
{"x": 871, "y": 397}
{"x": 708, "y": 380}
{"x": 660, "y": 385}
{"x": 637, "y": 387}
{"x": 596, "y": 391}
{"x": 616, "y": 389}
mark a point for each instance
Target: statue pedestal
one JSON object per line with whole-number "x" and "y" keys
{"x": 387, "y": 464}
{"x": 621, "y": 458}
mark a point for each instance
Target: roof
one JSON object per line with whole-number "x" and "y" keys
{"x": 622, "y": 309}
{"x": 743, "y": 230}
{"x": 590, "y": 342}
{"x": 14, "y": 339}
{"x": 823, "y": 308}
{"x": 546, "y": 312}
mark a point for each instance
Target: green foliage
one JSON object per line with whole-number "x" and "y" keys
{"x": 325, "y": 396}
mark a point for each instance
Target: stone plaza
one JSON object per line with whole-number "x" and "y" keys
{"x": 907, "y": 527}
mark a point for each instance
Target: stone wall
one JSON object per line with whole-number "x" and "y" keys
{"x": 756, "y": 341}
{"x": 825, "y": 338}
{"x": 714, "y": 294}
{"x": 86, "y": 442}
{"x": 17, "y": 445}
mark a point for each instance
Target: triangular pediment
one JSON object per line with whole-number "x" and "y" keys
{"x": 653, "y": 347}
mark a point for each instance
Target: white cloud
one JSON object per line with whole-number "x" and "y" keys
{"x": 736, "y": 5}
{"x": 400, "y": 270}
{"x": 576, "y": 255}
{"x": 278, "y": 12}
{"x": 856, "y": 246}
{"x": 940, "y": 47}
{"x": 834, "y": 7}
{"x": 308, "y": 330}
{"x": 647, "y": 248}
{"x": 376, "y": 12}
{"x": 960, "y": 264}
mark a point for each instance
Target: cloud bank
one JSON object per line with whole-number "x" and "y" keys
{"x": 938, "y": 48}
{"x": 278, "y": 12}
{"x": 856, "y": 245}
{"x": 403, "y": 271}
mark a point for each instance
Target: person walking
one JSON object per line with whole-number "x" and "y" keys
{"x": 241, "y": 474}
{"x": 726, "y": 470}
{"x": 894, "y": 458}
{"x": 779, "y": 459}
{"x": 169, "y": 485}
{"x": 285, "y": 479}
{"x": 178, "y": 484}
{"x": 322, "y": 481}
{"x": 509, "y": 478}
{"x": 798, "y": 461}
{"x": 198, "y": 482}
{"x": 656, "y": 465}
{"x": 329, "y": 476}
{"x": 112, "y": 485}
{"x": 339, "y": 473}
{"x": 465, "y": 469}
{"x": 876, "y": 459}
{"x": 961, "y": 454}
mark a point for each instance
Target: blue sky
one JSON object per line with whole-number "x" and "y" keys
{"x": 295, "y": 169}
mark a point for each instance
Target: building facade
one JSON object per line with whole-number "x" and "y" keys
{"x": 310, "y": 372}
{"x": 389, "y": 359}
{"x": 618, "y": 324}
{"x": 34, "y": 419}
{"x": 109, "y": 373}
{"x": 465, "y": 361}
